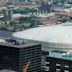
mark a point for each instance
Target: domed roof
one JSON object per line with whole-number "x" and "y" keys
{"x": 55, "y": 34}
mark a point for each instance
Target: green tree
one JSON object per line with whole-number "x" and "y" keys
{"x": 9, "y": 3}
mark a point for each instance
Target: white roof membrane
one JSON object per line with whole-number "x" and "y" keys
{"x": 55, "y": 34}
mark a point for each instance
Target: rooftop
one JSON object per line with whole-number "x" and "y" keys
{"x": 51, "y": 34}
{"x": 64, "y": 14}
{"x": 69, "y": 56}
{"x": 49, "y": 22}
{"x": 44, "y": 15}
{"x": 24, "y": 44}
{"x": 57, "y": 51}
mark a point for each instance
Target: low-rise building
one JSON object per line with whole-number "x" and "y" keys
{"x": 55, "y": 63}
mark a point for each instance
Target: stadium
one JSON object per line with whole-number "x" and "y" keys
{"x": 58, "y": 37}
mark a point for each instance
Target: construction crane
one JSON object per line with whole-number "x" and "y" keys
{"x": 25, "y": 67}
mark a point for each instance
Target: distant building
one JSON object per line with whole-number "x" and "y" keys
{"x": 25, "y": 0}
{"x": 48, "y": 22}
{"x": 58, "y": 1}
{"x": 3, "y": 2}
{"x": 45, "y": 7}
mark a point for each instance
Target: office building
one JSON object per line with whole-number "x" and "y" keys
{"x": 63, "y": 63}
{"x": 15, "y": 57}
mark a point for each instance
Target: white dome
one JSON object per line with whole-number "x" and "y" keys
{"x": 52, "y": 34}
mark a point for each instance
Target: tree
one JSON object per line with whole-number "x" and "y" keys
{"x": 9, "y": 3}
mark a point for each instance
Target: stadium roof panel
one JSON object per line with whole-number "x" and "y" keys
{"x": 55, "y": 34}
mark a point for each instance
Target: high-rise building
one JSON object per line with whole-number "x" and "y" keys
{"x": 14, "y": 57}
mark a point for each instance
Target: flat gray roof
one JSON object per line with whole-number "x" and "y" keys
{"x": 27, "y": 44}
